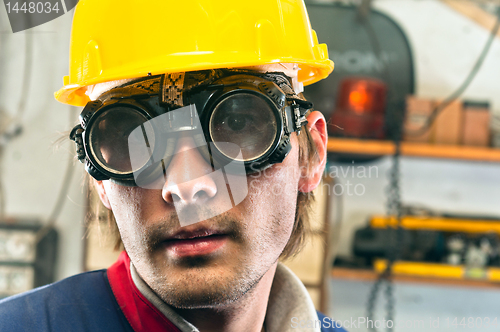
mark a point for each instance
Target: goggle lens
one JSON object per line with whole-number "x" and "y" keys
{"x": 246, "y": 121}
{"x": 110, "y": 142}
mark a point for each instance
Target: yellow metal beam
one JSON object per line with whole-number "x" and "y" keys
{"x": 439, "y": 224}
{"x": 437, "y": 270}
{"x": 421, "y": 269}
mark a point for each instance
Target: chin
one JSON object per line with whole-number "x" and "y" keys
{"x": 205, "y": 289}
{"x": 201, "y": 300}
{"x": 209, "y": 296}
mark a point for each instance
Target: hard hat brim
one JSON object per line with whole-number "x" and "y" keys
{"x": 75, "y": 94}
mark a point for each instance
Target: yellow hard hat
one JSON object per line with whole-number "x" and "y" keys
{"x": 118, "y": 39}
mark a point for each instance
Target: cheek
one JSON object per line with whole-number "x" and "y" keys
{"x": 272, "y": 201}
{"x": 129, "y": 205}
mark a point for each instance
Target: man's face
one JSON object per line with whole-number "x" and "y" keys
{"x": 214, "y": 261}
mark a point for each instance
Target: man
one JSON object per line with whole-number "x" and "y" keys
{"x": 200, "y": 143}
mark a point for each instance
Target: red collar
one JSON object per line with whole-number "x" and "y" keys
{"x": 140, "y": 313}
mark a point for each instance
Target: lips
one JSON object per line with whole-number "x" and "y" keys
{"x": 196, "y": 243}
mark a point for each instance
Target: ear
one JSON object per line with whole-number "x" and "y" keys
{"x": 311, "y": 178}
{"x": 102, "y": 193}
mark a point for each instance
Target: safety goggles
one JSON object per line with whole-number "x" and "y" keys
{"x": 238, "y": 120}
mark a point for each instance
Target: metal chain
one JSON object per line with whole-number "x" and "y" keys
{"x": 394, "y": 211}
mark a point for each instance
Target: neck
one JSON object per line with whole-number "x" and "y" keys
{"x": 246, "y": 314}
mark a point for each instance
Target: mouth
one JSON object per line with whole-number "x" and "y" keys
{"x": 196, "y": 243}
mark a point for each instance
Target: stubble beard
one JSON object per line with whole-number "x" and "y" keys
{"x": 197, "y": 290}
{"x": 201, "y": 284}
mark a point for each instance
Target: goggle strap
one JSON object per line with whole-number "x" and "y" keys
{"x": 282, "y": 82}
{"x": 172, "y": 87}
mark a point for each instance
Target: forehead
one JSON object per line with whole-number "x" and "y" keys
{"x": 289, "y": 69}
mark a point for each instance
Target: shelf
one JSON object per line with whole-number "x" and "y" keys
{"x": 380, "y": 148}
{"x": 367, "y": 275}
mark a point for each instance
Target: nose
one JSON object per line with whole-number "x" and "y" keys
{"x": 188, "y": 176}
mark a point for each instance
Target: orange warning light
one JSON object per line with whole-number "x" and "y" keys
{"x": 360, "y": 108}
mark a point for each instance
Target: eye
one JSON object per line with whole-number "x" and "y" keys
{"x": 238, "y": 122}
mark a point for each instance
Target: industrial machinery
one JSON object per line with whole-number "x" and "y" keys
{"x": 25, "y": 261}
